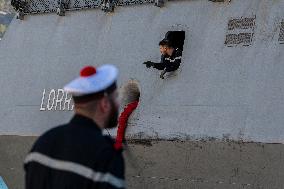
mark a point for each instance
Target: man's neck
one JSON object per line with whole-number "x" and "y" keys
{"x": 171, "y": 52}
{"x": 89, "y": 115}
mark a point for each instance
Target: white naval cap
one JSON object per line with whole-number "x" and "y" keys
{"x": 92, "y": 80}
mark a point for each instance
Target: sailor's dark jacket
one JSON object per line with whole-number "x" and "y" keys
{"x": 74, "y": 156}
{"x": 169, "y": 63}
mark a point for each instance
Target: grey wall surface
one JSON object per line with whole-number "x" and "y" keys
{"x": 219, "y": 91}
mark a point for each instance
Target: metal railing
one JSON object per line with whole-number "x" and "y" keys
{"x": 24, "y": 7}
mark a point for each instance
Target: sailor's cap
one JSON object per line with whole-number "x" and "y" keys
{"x": 92, "y": 80}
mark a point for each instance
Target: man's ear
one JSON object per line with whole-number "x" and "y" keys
{"x": 104, "y": 105}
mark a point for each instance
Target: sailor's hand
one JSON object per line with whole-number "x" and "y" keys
{"x": 148, "y": 64}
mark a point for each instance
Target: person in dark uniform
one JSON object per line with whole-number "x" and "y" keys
{"x": 77, "y": 155}
{"x": 170, "y": 58}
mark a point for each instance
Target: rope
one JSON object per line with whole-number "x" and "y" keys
{"x": 122, "y": 124}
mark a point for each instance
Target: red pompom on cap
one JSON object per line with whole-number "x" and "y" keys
{"x": 88, "y": 71}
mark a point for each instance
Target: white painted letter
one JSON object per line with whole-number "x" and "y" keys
{"x": 67, "y": 101}
{"x": 49, "y": 107}
{"x": 59, "y": 99}
{"x": 42, "y": 100}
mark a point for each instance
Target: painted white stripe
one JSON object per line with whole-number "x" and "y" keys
{"x": 75, "y": 168}
{"x": 176, "y": 58}
{"x": 2, "y": 12}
